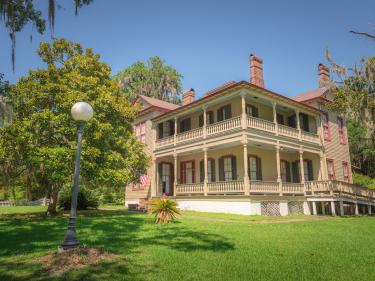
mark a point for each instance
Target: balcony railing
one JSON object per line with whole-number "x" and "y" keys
{"x": 311, "y": 188}
{"x": 233, "y": 124}
{"x": 224, "y": 126}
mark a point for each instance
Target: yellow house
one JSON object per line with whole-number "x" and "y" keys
{"x": 243, "y": 149}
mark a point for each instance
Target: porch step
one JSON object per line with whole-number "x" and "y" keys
{"x": 141, "y": 207}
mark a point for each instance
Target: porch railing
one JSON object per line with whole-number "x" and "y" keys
{"x": 261, "y": 124}
{"x": 225, "y": 125}
{"x": 288, "y": 131}
{"x": 311, "y": 137}
{"x": 310, "y": 188}
{"x": 164, "y": 141}
{"x": 189, "y": 135}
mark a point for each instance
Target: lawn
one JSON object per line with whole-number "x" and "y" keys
{"x": 193, "y": 249}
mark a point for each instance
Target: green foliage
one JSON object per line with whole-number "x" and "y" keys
{"x": 86, "y": 199}
{"x": 165, "y": 210}
{"x": 16, "y": 14}
{"x": 354, "y": 96}
{"x": 364, "y": 180}
{"x": 154, "y": 79}
{"x": 38, "y": 148}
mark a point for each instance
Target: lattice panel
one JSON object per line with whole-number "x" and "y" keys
{"x": 270, "y": 208}
{"x": 295, "y": 208}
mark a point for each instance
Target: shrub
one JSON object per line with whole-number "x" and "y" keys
{"x": 165, "y": 210}
{"x": 86, "y": 199}
{"x": 364, "y": 180}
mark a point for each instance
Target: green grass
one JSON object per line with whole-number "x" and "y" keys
{"x": 192, "y": 249}
{"x": 113, "y": 207}
{"x": 22, "y": 209}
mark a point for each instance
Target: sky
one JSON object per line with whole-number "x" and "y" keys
{"x": 209, "y": 42}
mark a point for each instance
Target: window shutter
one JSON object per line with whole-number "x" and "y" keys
{"x": 292, "y": 121}
{"x": 182, "y": 126}
{"x": 201, "y": 170}
{"x": 160, "y": 129}
{"x": 221, "y": 169}
{"x": 255, "y": 112}
{"x": 171, "y": 127}
{"x": 220, "y": 114}
{"x": 200, "y": 120}
{"x": 280, "y": 119}
{"x": 213, "y": 176}
{"x": 288, "y": 172}
{"x": 234, "y": 168}
{"x": 188, "y": 124}
{"x": 259, "y": 169}
{"x": 210, "y": 117}
{"x": 310, "y": 170}
{"x": 295, "y": 171}
{"x": 228, "y": 112}
{"x": 305, "y": 122}
{"x": 182, "y": 173}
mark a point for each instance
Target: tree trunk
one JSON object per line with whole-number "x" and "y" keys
{"x": 53, "y": 201}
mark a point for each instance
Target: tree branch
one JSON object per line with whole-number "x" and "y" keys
{"x": 372, "y": 36}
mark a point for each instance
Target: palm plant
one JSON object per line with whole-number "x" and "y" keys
{"x": 165, "y": 210}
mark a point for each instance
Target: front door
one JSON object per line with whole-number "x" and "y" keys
{"x": 165, "y": 170}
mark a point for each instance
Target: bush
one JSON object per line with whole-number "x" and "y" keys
{"x": 165, "y": 210}
{"x": 86, "y": 199}
{"x": 363, "y": 180}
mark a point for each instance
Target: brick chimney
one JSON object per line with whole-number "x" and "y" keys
{"x": 323, "y": 75}
{"x": 256, "y": 71}
{"x": 188, "y": 96}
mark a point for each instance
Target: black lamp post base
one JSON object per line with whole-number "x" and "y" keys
{"x": 70, "y": 240}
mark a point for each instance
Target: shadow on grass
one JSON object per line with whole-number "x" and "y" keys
{"x": 120, "y": 232}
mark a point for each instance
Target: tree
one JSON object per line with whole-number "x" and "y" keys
{"x": 16, "y": 14}
{"x": 354, "y": 96}
{"x": 38, "y": 147}
{"x": 154, "y": 79}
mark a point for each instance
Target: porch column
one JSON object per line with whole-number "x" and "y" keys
{"x": 155, "y": 179}
{"x": 274, "y": 105}
{"x": 298, "y": 125}
{"x": 302, "y": 171}
{"x": 204, "y": 121}
{"x": 333, "y": 209}
{"x": 342, "y": 213}
{"x": 314, "y": 208}
{"x": 175, "y": 175}
{"x": 323, "y": 208}
{"x": 322, "y": 175}
{"x": 278, "y": 168}
{"x": 356, "y": 209}
{"x": 205, "y": 171}
{"x": 175, "y": 130}
{"x": 369, "y": 209}
{"x": 243, "y": 103}
{"x": 246, "y": 180}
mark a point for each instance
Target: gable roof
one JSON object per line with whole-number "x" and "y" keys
{"x": 310, "y": 95}
{"x": 158, "y": 103}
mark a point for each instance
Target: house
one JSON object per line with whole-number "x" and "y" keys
{"x": 244, "y": 149}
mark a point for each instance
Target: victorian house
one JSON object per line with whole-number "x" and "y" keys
{"x": 244, "y": 149}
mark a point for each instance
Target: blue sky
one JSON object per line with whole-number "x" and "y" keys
{"x": 209, "y": 42}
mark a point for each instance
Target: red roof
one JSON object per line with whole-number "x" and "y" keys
{"x": 314, "y": 94}
{"x": 158, "y": 103}
{"x": 225, "y": 85}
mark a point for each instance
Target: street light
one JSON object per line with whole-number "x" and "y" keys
{"x": 81, "y": 112}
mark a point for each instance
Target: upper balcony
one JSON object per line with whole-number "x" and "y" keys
{"x": 239, "y": 112}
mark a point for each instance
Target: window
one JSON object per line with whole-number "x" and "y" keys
{"x": 224, "y": 113}
{"x": 340, "y": 123}
{"x": 227, "y": 168}
{"x": 252, "y": 110}
{"x": 165, "y": 129}
{"x": 330, "y": 169}
{"x": 280, "y": 118}
{"x": 285, "y": 171}
{"x": 209, "y": 118}
{"x": 140, "y": 132}
{"x": 210, "y": 170}
{"x": 185, "y": 125}
{"x": 166, "y": 177}
{"x": 255, "y": 168}
{"x": 326, "y": 130}
{"x": 187, "y": 172}
{"x": 345, "y": 170}
{"x": 308, "y": 170}
{"x": 292, "y": 122}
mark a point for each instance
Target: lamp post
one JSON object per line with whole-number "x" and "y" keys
{"x": 81, "y": 112}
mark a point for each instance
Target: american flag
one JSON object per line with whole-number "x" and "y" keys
{"x": 144, "y": 180}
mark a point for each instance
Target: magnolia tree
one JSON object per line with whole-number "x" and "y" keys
{"x": 38, "y": 148}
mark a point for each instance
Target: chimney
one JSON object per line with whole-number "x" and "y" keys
{"x": 323, "y": 75}
{"x": 256, "y": 71}
{"x": 188, "y": 96}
